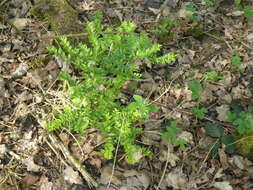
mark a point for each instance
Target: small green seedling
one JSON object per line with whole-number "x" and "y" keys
{"x": 165, "y": 26}
{"x": 209, "y": 3}
{"x": 192, "y": 7}
{"x": 248, "y": 11}
{"x": 199, "y": 112}
{"x": 171, "y": 135}
{"x": 212, "y": 76}
{"x": 242, "y": 119}
{"x": 216, "y": 131}
{"x": 240, "y": 5}
{"x": 196, "y": 88}
{"x": 236, "y": 62}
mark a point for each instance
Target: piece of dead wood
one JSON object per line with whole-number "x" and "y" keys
{"x": 57, "y": 144}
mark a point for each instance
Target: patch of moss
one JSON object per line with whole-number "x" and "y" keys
{"x": 244, "y": 145}
{"x": 62, "y": 18}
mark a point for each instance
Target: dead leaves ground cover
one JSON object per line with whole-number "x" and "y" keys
{"x": 28, "y": 88}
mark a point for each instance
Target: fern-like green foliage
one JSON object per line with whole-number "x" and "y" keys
{"x": 105, "y": 63}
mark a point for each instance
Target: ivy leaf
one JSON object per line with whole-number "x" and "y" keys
{"x": 195, "y": 87}
{"x": 228, "y": 140}
{"x": 213, "y": 130}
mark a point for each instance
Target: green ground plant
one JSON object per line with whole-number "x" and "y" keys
{"x": 236, "y": 62}
{"x": 199, "y": 112}
{"x": 164, "y": 29}
{"x": 217, "y": 132}
{"x": 196, "y": 88}
{"x": 104, "y": 65}
{"x": 242, "y": 120}
{"x": 170, "y": 134}
{"x": 243, "y": 5}
{"x": 212, "y": 76}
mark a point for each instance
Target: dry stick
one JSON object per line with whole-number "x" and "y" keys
{"x": 113, "y": 167}
{"x": 165, "y": 168}
{"x": 215, "y": 37}
{"x": 91, "y": 182}
{"x": 3, "y": 2}
{"x": 201, "y": 166}
{"x": 167, "y": 90}
{"x": 56, "y": 153}
{"x": 78, "y": 144}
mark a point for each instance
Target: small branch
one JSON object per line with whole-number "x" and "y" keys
{"x": 164, "y": 170}
{"x": 57, "y": 143}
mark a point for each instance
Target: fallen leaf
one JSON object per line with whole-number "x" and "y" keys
{"x": 20, "y": 23}
{"x": 31, "y": 166}
{"x": 3, "y": 150}
{"x": 45, "y": 184}
{"x": 72, "y": 176}
{"x": 29, "y": 180}
{"x": 222, "y": 112}
{"x": 176, "y": 179}
{"x": 224, "y": 185}
{"x": 106, "y": 173}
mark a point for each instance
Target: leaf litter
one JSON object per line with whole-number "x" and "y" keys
{"x": 189, "y": 169}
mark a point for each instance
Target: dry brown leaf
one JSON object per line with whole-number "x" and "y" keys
{"x": 72, "y": 176}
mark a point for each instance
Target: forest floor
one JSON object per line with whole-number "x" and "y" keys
{"x": 214, "y": 43}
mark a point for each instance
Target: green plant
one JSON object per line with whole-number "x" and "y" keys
{"x": 212, "y": 76}
{"x": 199, "y": 112}
{"x": 195, "y": 87}
{"x": 170, "y": 134}
{"x": 242, "y": 5}
{"x": 236, "y": 62}
{"x": 165, "y": 26}
{"x": 248, "y": 11}
{"x": 209, "y": 3}
{"x": 215, "y": 131}
{"x": 192, "y": 8}
{"x": 243, "y": 120}
{"x": 104, "y": 65}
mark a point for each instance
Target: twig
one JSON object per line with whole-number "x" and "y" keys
{"x": 3, "y": 2}
{"x": 113, "y": 167}
{"x": 56, "y": 153}
{"x": 54, "y": 139}
{"x": 215, "y": 37}
{"x": 209, "y": 152}
{"x": 165, "y": 168}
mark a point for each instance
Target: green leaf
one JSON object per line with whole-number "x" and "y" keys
{"x": 171, "y": 135}
{"x": 139, "y": 99}
{"x": 228, "y": 140}
{"x": 195, "y": 87}
{"x": 212, "y": 76}
{"x": 199, "y": 112}
{"x": 153, "y": 108}
{"x": 248, "y": 12}
{"x": 213, "y": 130}
{"x": 213, "y": 149}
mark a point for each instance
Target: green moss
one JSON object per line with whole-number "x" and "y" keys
{"x": 244, "y": 146}
{"x": 62, "y": 18}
